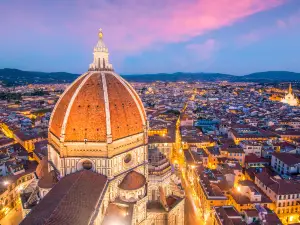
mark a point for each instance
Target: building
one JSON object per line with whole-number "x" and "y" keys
{"x": 250, "y": 147}
{"x": 233, "y": 152}
{"x": 12, "y": 185}
{"x": 209, "y": 192}
{"x": 286, "y": 163}
{"x": 227, "y": 214}
{"x": 164, "y": 142}
{"x": 290, "y": 98}
{"x": 249, "y": 133}
{"x": 261, "y": 215}
{"x": 252, "y": 160}
{"x": 247, "y": 195}
{"x": 28, "y": 138}
{"x": 284, "y": 194}
{"x": 98, "y": 151}
{"x": 166, "y": 197}
{"x": 192, "y": 136}
{"x": 6, "y": 129}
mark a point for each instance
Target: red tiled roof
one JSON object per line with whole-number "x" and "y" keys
{"x": 72, "y": 201}
{"x": 287, "y": 158}
{"x": 87, "y": 116}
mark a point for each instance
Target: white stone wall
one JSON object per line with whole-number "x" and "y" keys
{"x": 107, "y": 166}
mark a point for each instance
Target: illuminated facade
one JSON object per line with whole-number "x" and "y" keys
{"x": 284, "y": 194}
{"x": 210, "y": 195}
{"x": 9, "y": 195}
{"x": 6, "y": 130}
{"x": 290, "y": 98}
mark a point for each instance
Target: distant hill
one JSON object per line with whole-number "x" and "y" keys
{"x": 274, "y": 76}
{"x": 12, "y": 77}
{"x": 179, "y": 77}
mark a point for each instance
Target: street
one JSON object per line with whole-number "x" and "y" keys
{"x": 192, "y": 214}
{"x": 192, "y": 211}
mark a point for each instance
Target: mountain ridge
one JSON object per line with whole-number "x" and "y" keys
{"x": 15, "y": 77}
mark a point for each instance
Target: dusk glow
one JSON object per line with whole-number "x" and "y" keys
{"x": 150, "y": 112}
{"x": 227, "y": 36}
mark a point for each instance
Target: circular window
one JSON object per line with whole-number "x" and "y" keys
{"x": 87, "y": 165}
{"x": 127, "y": 158}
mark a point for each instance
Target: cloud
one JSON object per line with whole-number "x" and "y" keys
{"x": 290, "y": 21}
{"x": 134, "y": 25}
{"x": 281, "y": 24}
{"x": 251, "y": 37}
{"x": 255, "y": 35}
{"x": 140, "y": 25}
{"x": 204, "y": 51}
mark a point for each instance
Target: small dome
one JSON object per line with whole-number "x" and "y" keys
{"x": 48, "y": 180}
{"x": 42, "y": 168}
{"x": 133, "y": 181}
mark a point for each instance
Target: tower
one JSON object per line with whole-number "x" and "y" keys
{"x": 101, "y": 61}
{"x": 290, "y": 98}
{"x": 290, "y": 90}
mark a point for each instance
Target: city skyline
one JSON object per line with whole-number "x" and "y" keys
{"x": 110, "y": 151}
{"x": 152, "y": 37}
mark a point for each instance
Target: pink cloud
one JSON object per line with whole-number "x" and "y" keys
{"x": 137, "y": 25}
{"x": 133, "y": 25}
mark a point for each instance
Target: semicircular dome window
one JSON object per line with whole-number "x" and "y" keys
{"x": 87, "y": 165}
{"x": 127, "y": 158}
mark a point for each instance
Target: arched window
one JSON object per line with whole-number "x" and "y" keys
{"x": 87, "y": 165}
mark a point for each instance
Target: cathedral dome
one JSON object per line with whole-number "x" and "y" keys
{"x": 99, "y": 106}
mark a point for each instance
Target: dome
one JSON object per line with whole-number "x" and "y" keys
{"x": 132, "y": 181}
{"x": 97, "y": 107}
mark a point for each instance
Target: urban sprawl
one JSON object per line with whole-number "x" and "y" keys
{"x": 234, "y": 147}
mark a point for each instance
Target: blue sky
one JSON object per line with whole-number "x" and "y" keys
{"x": 226, "y": 36}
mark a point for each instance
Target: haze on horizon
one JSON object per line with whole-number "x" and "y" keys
{"x": 152, "y": 36}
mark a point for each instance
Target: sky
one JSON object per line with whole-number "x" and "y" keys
{"x": 152, "y": 36}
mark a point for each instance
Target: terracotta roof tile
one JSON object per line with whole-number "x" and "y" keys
{"x": 87, "y": 117}
{"x": 132, "y": 181}
{"x": 61, "y": 108}
{"x": 72, "y": 201}
{"x": 124, "y": 114}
